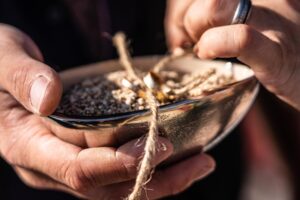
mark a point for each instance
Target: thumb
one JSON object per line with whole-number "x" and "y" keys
{"x": 176, "y": 35}
{"x": 33, "y": 84}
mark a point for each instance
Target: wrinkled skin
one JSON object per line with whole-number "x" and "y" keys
{"x": 269, "y": 42}
{"x": 48, "y": 156}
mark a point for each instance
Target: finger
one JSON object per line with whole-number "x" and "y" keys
{"x": 35, "y": 85}
{"x": 86, "y": 138}
{"x": 264, "y": 55}
{"x": 251, "y": 47}
{"x": 170, "y": 181}
{"x": 95, "y": 138}
{"x": 205, "y": 14}
{"x": 79, "y": 169}
{"x": 175, "y": 32}
{"x": 72, "y": 136}
{"x": 37, "y": 180}
{"x": 121, "y": 164}
{"x": 179, "y": 177}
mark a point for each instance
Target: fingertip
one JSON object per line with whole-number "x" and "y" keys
{"x": 178, "y": 177}
{"x": 46, "y": 92}
{"x": 204, "y": 52}
{"x": 207, "y": 44}
{"x": 131, "y": 152}
{"x": 174, "y": 43}
{"x": 206, "y": 165}
{"x": 177, "y": 37}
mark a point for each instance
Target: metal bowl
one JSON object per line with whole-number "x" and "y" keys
{"x": 191, "y": 125}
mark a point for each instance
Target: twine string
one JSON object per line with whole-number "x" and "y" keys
{"x": 145, "y": 167}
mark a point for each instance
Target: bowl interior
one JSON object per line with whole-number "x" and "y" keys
{"x": 187, "y": 64}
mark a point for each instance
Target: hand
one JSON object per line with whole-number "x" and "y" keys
{"x": 269, "y": 43}
{"x": 44, "y": 160}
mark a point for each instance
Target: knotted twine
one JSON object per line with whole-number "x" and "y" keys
{"x": 145, "y": 168}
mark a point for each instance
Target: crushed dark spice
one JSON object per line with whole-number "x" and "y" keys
{"x": 113, "y": 93}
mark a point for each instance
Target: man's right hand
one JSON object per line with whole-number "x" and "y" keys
{"x": 269, "y": 42}
{"x": 30, "y": 89}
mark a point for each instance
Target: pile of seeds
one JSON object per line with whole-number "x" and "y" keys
{"x": 112, "y": 93}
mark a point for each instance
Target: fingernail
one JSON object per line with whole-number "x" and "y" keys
{"x": 131, "y": 155}
{"x": 37, "y": 92}
{"x": 205, "y": 171}
{"x": 208, "y": 166}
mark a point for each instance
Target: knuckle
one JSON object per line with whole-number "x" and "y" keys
{"x": 213, "y": 5}
{"x": 188, "y": 21}
{"x": 243, "y": 36}
{"x": 130, "y": 170}
{"x": 190, "y": 25}
{"x": 200, "y": 16}
{"x": 128, "y": 167}
{"x": 21, "y": 76}
{"x": 77, "y": 179}
{"x": 19, "y": 80}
